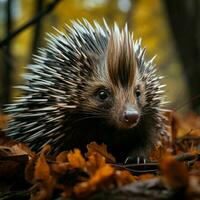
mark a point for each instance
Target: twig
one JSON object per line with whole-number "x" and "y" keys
{"x": 44, "y": 12}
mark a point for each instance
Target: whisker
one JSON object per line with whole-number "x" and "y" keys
{"x": 84, "y": 118}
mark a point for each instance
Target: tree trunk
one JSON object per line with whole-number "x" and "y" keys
{"x": 184, "y": 18}
{"x": 37, "y": 29}
{"x": 7, "y": 58}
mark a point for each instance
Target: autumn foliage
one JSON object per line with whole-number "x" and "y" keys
{"x": 174, "y": 163}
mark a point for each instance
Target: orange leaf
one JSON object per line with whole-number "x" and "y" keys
{"x": 42, "y": 169}
{"x": 95, "y": 182}
{"x": 60, "y": 168}
{"x": 100, "y": 149}
{"x": 29, "y": 170}
{"x": 44, "y": 190}
{"x": 123, "y": 177}
{"x": 144, "y": 177}
{"x": 76, "y": 160}
{"x": 102, "y": 175}
{"x": 175, "y": 173}
{"x": 62, "y": 156}
{"x": 95, "y": 161}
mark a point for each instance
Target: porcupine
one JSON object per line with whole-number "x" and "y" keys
{"x": 91, "y": 83}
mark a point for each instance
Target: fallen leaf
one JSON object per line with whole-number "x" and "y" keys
{"x": 123, "y": 177}
{"x": 175, "y": 173}
{"x": 95, "y": 161}
{"x": 42, "y": 169}
{"x": 100, "y": 149}
{"x": 62, "y": 156}
{"x": 76, "y": 160}
{"x": 95, "y": 182}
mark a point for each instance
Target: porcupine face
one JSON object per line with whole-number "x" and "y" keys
{"x": 116, "y": 91}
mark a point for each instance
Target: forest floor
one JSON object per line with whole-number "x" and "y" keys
{"x": 172, "y": 171}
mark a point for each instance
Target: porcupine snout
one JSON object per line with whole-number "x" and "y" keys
{"x": 130, "y": 116}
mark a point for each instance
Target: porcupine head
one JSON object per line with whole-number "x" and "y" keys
{"x": 91, "y": 83}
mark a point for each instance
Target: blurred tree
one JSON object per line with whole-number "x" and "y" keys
{"x": 184, "y": 17}
{"x": 7, "y": 57}
{"x": 37, "y": 28}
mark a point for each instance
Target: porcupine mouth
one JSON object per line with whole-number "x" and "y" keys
{"x": 124, "y": 126}
{"x": 127, "y": 126}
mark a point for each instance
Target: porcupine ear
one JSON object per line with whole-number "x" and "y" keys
{"x": 121, "y": 59}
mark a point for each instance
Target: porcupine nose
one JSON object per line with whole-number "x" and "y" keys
{"x": 130, "y": 116}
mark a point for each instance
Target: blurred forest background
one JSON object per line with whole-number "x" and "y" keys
{"x": 169, "y": 28}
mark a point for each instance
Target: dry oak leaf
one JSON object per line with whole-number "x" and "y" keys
{"x": 13, "y": 160}
{"x": 42, "y": 169}
{"x": 76, "y": 160}
{"x": 61, "y": 164}
{"x": 30, "y": 169}
{"x": 22, "y": 149}
{"x": 95, "y": 161}
{"x": 100, "y": 149}
{"x": 62, "y": 156}
{"x": 44, "y": 190}
{"x": 101, "y": 176}
{"x": 15, "y": 149}
{"x": 60, "y": 168}
{"x": 44, "y": 182}
{"x": 37, "y": 168}
{"x": 123, "y": 177}
{"x": 175, "y": 173}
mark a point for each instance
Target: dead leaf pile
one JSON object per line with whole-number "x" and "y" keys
{"x": 72, "y": 174}
{"x": 173, "y": 169}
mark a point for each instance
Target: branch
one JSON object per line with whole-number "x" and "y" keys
{"x": 35, "y": 19}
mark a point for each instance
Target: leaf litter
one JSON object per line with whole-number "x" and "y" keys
{"x": 175, "y": 162}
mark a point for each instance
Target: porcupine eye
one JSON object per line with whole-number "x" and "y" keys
{"x": 137, "y": 93}
{"x": 102, "y": 94}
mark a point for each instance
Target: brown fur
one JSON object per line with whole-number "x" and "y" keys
{"x": 120, "y": 58}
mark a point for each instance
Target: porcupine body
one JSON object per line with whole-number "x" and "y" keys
{"x": 91, "y": 83}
